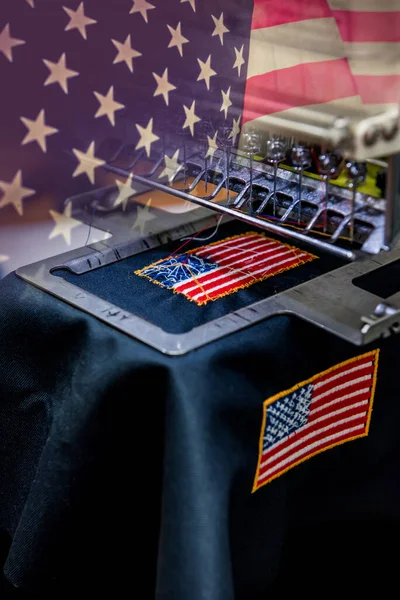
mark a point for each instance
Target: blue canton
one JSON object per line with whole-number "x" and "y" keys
{"x": 179, "y": 269}
{"x": 286, "y": 415}
{"x": 114, "y": 81}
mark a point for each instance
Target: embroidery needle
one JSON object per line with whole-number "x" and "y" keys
{"x": 327, "y": 164}
{"x": 301, "y": 159}
{"x": 182, "y": 136}
{"x": 226, "y": 141}
{"x": 275, "y": 153}
{"x": 205, "y": 134}
{"x": 357, "y": 173}
{"x": 251, "y": 147}
{"x": 206, "y": 170}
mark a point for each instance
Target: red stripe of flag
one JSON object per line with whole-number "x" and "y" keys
{"x": 268, "y": 13}
{"x": 302, "y": 85}
{"x": 374, "y": 26}
{"x": 378, "y": 89}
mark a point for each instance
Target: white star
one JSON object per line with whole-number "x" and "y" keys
{"x": 172, "y": 167}
{"x": 206, "y": 72}
{"x": 164, "y": 87}
{"x": 14, "y": 193}
{"x": 226, "y": 101}
{"x": 177, "y": 38}
{"x": 7, "y": 43}
{"x": 108, "y": 106}
{"x": 4, "y": 258}
{"x": 59, "y": 73}
{"x": 191, "y": 118}
{"x": 239, "y": 61}
{"x": 125, "y": 53}
{"x": 220, "y": 28}
{"x": 235, "y": 129}
{"x": 87, "y": 162}
{"x": 125, "y": 191}
{"x": 78, "y": 20}
{"x": 64, "y": 224}
{"x": 147, "y": 137}
{"x": 143, "y": 215}
{"x": 141, "y": 6}
{"x": 192, "y": 4}
{"x": 37, "y": 131}
{"x": 212, "y": 145}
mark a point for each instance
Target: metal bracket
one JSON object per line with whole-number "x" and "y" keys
{"x": 383, "y": 322}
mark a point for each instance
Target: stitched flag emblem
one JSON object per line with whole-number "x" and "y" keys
{"x": 221, "y": 268}
{"x": 331, "y": 408}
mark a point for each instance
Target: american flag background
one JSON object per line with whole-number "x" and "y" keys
{"x": 81, "y": 79}
{"x": 221, "y": 268}
{"x": 331, "y": 408}
{"x": 332, "y": 54}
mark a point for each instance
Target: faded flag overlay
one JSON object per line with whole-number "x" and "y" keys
{"x": 80, "y": 80}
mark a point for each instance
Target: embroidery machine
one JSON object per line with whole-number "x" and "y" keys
{"x": 317, "y": 180}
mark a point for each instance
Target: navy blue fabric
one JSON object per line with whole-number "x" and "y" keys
{"x": 122, "y": 467}
{"x": 117, "y": 283}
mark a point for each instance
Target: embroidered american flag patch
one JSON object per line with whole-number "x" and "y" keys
{"x": 329, "y": 409}
{"x": 221, "y": 268}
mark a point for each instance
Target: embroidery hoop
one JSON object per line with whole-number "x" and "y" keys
{"x": 330, "y": 301}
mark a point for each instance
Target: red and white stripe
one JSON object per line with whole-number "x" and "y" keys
{"x": 240, "y": 261}
{"x": 319, "y": 52}
{"x": 338, "y": 412}
{"x": 370, "y": 31}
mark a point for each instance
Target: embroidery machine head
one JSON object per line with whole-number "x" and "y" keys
{"x": 329, "y": 181}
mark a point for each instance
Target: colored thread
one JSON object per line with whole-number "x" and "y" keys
{"x": 211, "y": 235}
{"x": 190, "y": 239}
{"x": 91, "y": 221}
{"x": 197, "y": 281}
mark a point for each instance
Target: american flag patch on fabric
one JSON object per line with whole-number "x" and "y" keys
{"x": 328, "y": 409}
{"x": 224, "y": 267}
